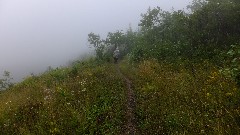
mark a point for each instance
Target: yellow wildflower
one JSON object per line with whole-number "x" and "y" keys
{"x": 228, "y": 94}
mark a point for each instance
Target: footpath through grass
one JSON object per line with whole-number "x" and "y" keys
{"x": 171, "y": 99}
{"x": 90, "y": 98}
{"x": 87, "y": 98}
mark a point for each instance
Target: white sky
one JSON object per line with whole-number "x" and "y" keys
{"x": 35, "y": 34}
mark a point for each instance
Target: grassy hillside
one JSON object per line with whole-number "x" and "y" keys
{"x": 90, "y": 98}
{"x": 86, "y": 98}
{"x": 172, "y": 99}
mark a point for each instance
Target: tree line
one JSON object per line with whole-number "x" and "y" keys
{"x": 204, "y": 31}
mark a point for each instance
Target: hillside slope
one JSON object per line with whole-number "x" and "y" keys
{"x": 87, "y": 98}
{"x": 91, "y": 98}
{"x": 174, "y": 99}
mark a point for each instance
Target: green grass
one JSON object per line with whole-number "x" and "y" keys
{"x": 171, "y": 99}
{"x": 87, "y": 98}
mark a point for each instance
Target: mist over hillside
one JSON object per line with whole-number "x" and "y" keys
{"x": 38, "y": 34}
{"x": 89, "y": 68}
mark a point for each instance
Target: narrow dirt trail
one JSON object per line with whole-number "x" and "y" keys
{"x": 130, "y": 124}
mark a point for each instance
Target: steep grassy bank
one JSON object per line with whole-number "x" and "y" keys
{"x": 171, "y": 99}
{"x": 87, "y": 98}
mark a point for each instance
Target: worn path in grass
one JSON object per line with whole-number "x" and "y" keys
{"x": 130, "y": 124}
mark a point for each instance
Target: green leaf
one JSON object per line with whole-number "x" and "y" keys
{"x": 234, "y": 60}
{"x": 230, "y": 52}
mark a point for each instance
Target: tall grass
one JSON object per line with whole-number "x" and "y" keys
{"x": 176, "y": 99}
{"x": 86, "y": 98}
{"x": 89, "y": 98}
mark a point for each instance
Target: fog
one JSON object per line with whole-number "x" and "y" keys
{"x": 35, "y": 34}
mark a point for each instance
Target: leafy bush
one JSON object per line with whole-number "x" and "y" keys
{"x": 233, "y": 68}
{"x": 6, "y": 82}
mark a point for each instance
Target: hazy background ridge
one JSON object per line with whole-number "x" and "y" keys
{"x": 37, "y": 34}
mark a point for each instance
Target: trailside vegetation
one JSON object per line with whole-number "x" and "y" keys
{"x": 183, "y": 65}
{"x": 87, "y": 98}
